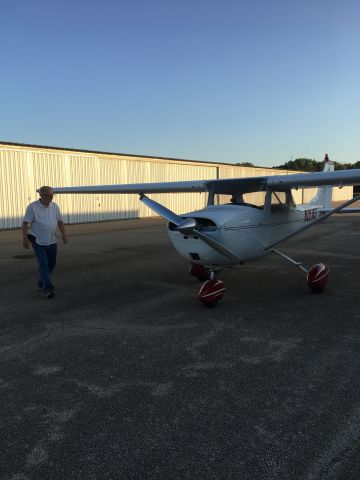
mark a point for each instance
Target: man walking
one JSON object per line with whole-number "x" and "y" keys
{"x": 41, "y": 220}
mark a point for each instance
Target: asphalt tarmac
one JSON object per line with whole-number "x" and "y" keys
{"x": 125, "y": 375}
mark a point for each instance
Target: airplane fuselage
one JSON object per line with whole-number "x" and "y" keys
{"x": 245, "y": 230}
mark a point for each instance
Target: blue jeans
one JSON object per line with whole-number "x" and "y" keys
{"x": 46, "y": 258}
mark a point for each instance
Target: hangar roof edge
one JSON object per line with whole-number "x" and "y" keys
{"x": 79, "y": 150}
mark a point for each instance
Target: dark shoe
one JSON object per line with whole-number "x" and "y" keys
{"x": 50, "y": 292}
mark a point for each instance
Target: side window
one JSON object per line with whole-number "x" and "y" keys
{"x": 281, "y": 202}
{"x": 256, "y": 199}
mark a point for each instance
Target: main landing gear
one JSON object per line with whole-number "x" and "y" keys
{"x": 212, "y": 290}
{"x": 316, "y": 276}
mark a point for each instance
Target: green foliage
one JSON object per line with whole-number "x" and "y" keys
{"x": 309, "y": 165}
{"x": 303, "y": 164}
{"x": 245, "y": 164}
{"x": 346, "y": 166}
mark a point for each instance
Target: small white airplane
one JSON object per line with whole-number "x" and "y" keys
{"x": 234, "y": 233}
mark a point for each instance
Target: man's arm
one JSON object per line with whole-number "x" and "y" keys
{"x": 61, "y": 226}
{"x": 28, "y": 218}
{"x": 26, "y": 242}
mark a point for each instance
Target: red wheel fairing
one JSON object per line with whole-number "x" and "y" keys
{"x": 199, "y": 271}
{"x": 211, "y": 292}
{"x": 317, "y": 277}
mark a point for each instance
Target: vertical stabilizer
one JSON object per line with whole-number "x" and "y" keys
{"x": 323, "y": 196}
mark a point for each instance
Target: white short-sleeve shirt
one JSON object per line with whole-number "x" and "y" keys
{"x": 43, "y": 221}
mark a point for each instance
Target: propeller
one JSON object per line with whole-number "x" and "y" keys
{"x": 161, "y": 210}
{"x": 188, "y": 227}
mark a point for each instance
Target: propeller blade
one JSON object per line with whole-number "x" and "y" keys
{"x": 218, "y": 247}
{"x": 188, "y": 226}
{"x": 161, "y": 210}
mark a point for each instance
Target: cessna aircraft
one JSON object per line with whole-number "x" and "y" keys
{"x": 234, "y": 233}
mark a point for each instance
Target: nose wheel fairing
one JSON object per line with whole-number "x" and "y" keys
{"x": 213, "y": 289}
{"x": 211, "y": 292}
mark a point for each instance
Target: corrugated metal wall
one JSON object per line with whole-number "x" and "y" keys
{"x": 24, "y": 169}
{"x": 14, "y": 188}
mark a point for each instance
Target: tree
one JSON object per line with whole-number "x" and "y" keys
{"x": 245, "y": 164}
{"x": 303, "y": 164}
{"x": 309, "y": 165}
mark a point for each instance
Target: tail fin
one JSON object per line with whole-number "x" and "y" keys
{"x": 323, "y": 196}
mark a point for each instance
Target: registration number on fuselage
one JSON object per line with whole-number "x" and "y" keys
{"x": 310, "y": 215}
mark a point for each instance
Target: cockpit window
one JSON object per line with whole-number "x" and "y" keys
{"x": 253, "y": 199}
{"x": 281, "y": 202}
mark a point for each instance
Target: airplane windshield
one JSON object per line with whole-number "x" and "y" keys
{"x": 253, "y": 199}
{"x": 281, "y": 202}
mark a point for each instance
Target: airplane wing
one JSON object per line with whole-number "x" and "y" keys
{"x": 229, "y": 186}
{"x": 337, "y": 178}
{"x": 160, "y": 187}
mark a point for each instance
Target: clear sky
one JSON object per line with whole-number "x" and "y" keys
{"x": 259, "y": 81}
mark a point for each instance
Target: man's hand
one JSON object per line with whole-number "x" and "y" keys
{"x": 26, "y": 243}
{"x": 65, "y": 238}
